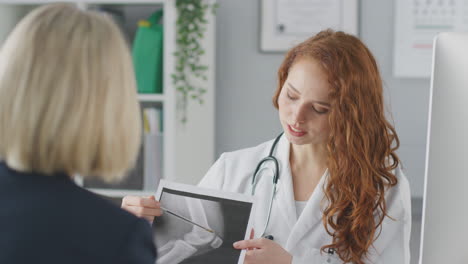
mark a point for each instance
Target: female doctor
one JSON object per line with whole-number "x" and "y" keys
{"x": 341, "y": 196}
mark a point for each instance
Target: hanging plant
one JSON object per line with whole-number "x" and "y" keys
{"x": 191, "y": 27}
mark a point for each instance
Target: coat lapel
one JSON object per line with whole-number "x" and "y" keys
{"x": 285, "y": 195}
{"x": 310, "y": 217}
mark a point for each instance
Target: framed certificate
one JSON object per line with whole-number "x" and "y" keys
{"x": 286, "y": 23}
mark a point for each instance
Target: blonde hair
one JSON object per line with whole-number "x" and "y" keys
{"x": 68, "y": 99}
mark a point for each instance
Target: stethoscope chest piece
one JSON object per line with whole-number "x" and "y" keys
{"x": 330, "y": 253}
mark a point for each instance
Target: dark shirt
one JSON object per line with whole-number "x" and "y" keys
{"x": 49, "y": 219}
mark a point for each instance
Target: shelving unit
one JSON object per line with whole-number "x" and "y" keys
{"x": 188, "y": 149}
{"x": 151, "y": 98}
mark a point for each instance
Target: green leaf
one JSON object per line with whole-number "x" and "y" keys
{"x": 175, "y": 78}
{"x": 214, "y": 8}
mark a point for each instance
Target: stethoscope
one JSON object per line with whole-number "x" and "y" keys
{"x": 271, "y": 158}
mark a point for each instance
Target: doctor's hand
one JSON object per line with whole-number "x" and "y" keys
{"x": 145, "y": 207}
{"x": 262, "y": 251}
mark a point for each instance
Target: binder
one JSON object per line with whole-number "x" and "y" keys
{"x": 153, "y": 149}
{"x": 147, "y": 53}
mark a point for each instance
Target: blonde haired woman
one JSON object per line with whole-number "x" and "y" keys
{"x": 67, "y": 106}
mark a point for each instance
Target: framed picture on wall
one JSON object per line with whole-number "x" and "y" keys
{"x": 285, "y": 23}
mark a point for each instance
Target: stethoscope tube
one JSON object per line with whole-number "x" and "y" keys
{"x": 269, "y": 158}
{"x": 272, "y": 158}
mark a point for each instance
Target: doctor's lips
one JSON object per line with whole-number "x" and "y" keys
{"x": 296, "y": 132}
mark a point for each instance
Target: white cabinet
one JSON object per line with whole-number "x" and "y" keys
{"x": 187, "y": 149}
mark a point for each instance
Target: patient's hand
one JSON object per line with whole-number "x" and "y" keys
{"x": 145, "y": 207}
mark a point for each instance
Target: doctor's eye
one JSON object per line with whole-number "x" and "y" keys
{"x": 320, "y": 110}
{"x": 290, "y": 97}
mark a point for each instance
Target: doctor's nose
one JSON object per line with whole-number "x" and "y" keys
{"x": 299, "y": 115}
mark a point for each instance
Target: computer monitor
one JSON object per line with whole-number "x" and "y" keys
{"x": 444, "y": 236}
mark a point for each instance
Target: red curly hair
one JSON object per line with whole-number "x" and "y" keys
{"x": 361, "y": 145}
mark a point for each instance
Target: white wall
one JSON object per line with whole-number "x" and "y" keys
{"x": 246, "y": 79}
{"x": 9, "y": 14}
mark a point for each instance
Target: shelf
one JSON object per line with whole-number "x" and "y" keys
{"x": 151, "y": 98}
{"x": 121, "y": 2}
{"x": 121, "y": 193}
{"x": 127, "y": 2}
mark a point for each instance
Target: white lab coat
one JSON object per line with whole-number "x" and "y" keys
{"x": 304, "y": 236}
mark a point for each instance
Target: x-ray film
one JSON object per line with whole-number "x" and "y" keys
{"x": 200, "y": 225}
